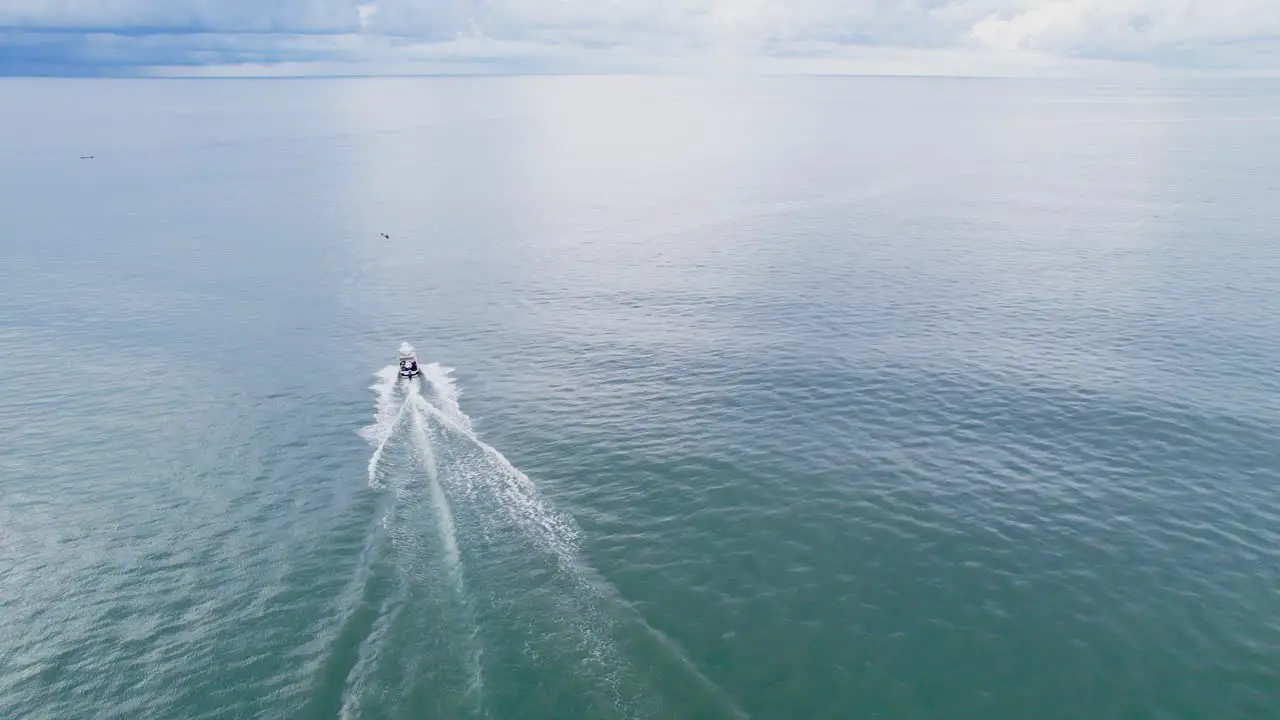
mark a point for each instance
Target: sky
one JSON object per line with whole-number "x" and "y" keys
{"x": 961, "y": 37}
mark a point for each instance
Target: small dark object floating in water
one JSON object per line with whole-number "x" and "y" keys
{"x": 385, "y": 235}
{"x": 86, "y": 157}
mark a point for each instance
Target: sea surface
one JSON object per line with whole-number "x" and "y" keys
{"x": 777, "y": 398}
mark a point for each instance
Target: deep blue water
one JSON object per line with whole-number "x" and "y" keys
{"x": 780, "y": 398}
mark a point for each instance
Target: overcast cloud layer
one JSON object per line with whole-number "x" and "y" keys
{"x": 968, "y": 36}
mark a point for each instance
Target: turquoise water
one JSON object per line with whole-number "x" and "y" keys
{"x": 791, "y": 398}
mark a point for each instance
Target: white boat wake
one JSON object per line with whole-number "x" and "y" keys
{"x": 399, "y": 403}
{"x": 502, "y": 543}
{"x": 389, "y": 411}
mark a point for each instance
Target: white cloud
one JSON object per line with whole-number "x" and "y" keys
{"x": 1233, "y": 31}
{"x": 1065, "y": 26}
{"x": 191, "y": 15}
{"x": 1126, "y": 28}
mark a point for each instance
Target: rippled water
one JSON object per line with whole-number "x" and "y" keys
{"x": 794, "y": 398}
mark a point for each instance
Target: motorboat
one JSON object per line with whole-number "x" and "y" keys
{"x": 408, "y": 361}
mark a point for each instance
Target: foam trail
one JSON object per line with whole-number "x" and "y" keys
{"x": 392, "y": 409}
{"x": 385, "y": 407}
{"x": 386, "y": 416}
{"x": 368, "y": 656}
{"x": 446, "y": 393}
{"x": 523, "y": 503}
{"x": 432, "y": 409}
{"x": 664, "y": 641}
{"x": 448, "y": 530}
{"x": 376, "y": 457}
{"x": 444, "y": 512}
